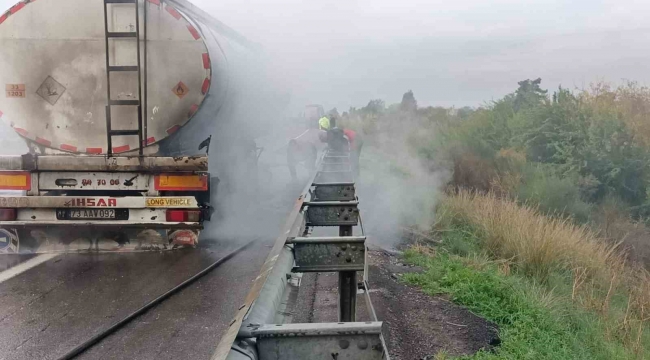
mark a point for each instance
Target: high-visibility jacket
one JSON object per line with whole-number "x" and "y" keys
{"x": 324, "y": 123}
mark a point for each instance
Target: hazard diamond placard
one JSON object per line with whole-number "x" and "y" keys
{"x": 180, "y": 90}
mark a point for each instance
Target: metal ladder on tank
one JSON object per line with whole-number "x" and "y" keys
{"x": 135, "y": 35}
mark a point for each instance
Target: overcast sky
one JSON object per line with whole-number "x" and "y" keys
{"x": 463, "y": 52}
{"x": 460, "y": 52}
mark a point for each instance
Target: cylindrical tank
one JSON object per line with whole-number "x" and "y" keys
{"x": 53, "y": 67}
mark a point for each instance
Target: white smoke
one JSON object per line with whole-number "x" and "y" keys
{"x": 11, "y": 143}
{"x": 398, "y": 187}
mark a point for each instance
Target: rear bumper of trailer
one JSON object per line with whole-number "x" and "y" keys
{"x": 36, "y": 224}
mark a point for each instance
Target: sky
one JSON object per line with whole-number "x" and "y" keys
{"x": 343, "y": 53}
{"x": 451, "y": 53}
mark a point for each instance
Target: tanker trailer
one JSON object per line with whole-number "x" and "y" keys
{"x": 104, "y": 91}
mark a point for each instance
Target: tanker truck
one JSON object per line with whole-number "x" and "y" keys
{"x": 117, "y": 101}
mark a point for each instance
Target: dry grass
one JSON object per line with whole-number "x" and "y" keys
{"x": 615, "y": 225}
{"x": 539, "y": 245}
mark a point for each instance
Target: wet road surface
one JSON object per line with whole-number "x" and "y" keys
{"x": 55, "y": 306}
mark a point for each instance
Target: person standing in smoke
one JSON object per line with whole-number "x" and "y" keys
{"x": 298, "y": 152}
{"x": 304, "y": 149}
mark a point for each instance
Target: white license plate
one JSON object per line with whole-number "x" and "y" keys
{"x": 92, "y": 214}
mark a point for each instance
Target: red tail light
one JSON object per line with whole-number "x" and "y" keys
{"x": 7, "y": 214}
{"x": 183, "y": 215}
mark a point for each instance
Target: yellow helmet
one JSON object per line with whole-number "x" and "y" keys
{"x": 324, "y": 123}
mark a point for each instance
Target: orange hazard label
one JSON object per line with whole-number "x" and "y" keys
{"x": 15, "y": 90}
{"x": 180, "y": 90}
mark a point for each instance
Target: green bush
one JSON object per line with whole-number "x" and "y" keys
{"x": 580, "y": 147}
{"x": 552, "y": 193}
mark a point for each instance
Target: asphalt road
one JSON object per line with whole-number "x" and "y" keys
{"x": 55, "y": 306}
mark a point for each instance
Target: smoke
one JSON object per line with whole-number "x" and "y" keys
{"x": 399, "y": 186}
{"x": 248, "y": 151}
{"x": 11, "y": 143}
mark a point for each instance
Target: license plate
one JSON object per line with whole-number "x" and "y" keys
{"x": 92, "y": 214}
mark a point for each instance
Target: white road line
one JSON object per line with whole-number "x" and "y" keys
{"x": 299, "y": 136}
{"x": 22, "y": 267}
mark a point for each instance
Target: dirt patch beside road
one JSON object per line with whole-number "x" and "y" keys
{"x": 421, "y": 326}
{"x": 416, "y": 325}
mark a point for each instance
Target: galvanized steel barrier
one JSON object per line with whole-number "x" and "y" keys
{"x": 261, "y": 329}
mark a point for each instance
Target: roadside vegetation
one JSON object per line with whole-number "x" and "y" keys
{"x": 556, "y": 290}
{"x": 544, "y": 225}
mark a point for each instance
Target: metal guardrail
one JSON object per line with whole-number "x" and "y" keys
{"x": 328, "y": 200}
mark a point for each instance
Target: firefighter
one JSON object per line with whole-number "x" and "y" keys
{"x": 304, "y": 149}
{"x": 356, "y": 143}
{"x": 324, "y": 123}
{"x": 301, "y": 152}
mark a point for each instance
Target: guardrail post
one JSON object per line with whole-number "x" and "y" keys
{"x": 347, "y": 288}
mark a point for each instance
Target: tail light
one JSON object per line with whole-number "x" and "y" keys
{"x": 183, "y": 215}
{"x": 8, "y": 214}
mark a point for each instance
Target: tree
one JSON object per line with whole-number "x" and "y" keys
{"x": 375, "y": 107}
{"x": 408, "y": 102}
{"x": 529, "y": 94}
{"x": 464, "y": 112}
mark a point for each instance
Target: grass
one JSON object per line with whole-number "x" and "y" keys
{"x": 535, "y": 243}
{"x": 555, "y": 289}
